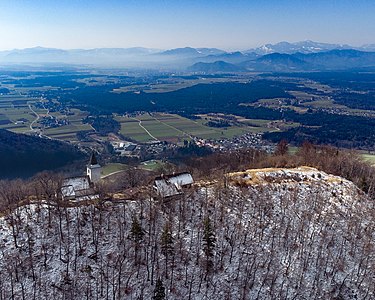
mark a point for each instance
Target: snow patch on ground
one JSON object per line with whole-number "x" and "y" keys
{"x": 281, "y": 234}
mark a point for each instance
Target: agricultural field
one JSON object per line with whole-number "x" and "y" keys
{"x": 324, "y": 102}
{"x": 20, "y": 114}
{"x": 112, "y": 168}
{"x": 174, "y": 128}
{"x": 15, "y": 114}
{"x": 368, "y": 157}
{"x": 151, "y": 165}
{"x": 67, "y": 132}
{"x": 170, "y": 85}
{"x": 147, "y": 128}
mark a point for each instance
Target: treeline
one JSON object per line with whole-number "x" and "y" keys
{"x": 45, "y": 186}
{"x": 324, "y": 128}
{"x": 103, "y": 124}
{"x": 218, "y": 123}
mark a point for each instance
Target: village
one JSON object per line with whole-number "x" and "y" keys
{"x": 247, "y": 140}
{"x": 157, "y": 148}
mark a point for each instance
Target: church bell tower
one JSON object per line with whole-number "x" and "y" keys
{"x": 93, "y": 169}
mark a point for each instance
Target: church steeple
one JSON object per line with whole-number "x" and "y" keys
{"x": 93, "y": 160}
{"x": 93, "y": 169}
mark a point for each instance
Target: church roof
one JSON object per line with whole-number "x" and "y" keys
{"x": 78, "y": 183}
{"x": 78, "y": 188}
{"x": 93, "y": 160}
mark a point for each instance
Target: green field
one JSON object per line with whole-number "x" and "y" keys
{"x": 151, "y": 165}
{"x": 174, "y": 128}
{"x": 67, "y": 132}
{"x": 15, "y": 114}
{"x": 369, "y": 158}
{"x": 112, "y": 168}
{"x": 130, "y": 128}
{"x": 170, "y": 85}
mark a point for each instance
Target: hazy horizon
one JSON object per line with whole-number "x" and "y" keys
{"x": 236, "y": 25}
{"x": 180, "y": 47}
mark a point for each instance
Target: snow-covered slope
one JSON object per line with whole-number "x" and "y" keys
{"x": 302, "y": 47}
{"x": 280, "y": 234}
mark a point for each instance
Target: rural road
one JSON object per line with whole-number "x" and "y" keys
{"x": 36, "y": 120}
{"x": 179, "y": 130}
{"x": 140, "y": 124}
{"x": 113, "y": 173}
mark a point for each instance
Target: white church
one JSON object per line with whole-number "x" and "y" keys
{"x": 93, "y": 169}
{"x": 81, "y": 188}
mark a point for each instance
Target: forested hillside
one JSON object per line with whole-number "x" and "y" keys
{"x": 24, "y": 155}
{"x": 260, "y": 234}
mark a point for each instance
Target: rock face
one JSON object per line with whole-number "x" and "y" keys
{"x": 259, "y": 234}
{"x": 302, "y": 179}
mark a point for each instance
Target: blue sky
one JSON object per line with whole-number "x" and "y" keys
{"x": 231, "y": 24}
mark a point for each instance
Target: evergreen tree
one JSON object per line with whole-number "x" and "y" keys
{"x": 159, "y": 292}
{"x": 209, "y": 242}
{"x": 167, "y": 245}
{"x": 167, "y": 240}
{"x": 136, "y": 235}
{"x": 136, "y": 231}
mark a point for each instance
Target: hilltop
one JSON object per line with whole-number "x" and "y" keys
{"x": 261, "y": 233}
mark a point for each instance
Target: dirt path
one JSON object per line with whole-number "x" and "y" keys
{"x": 140, "y": 124}
{"x": 113, "y": 173}
{"x": 36, "y": 119}
{"x": 170, "y": 126}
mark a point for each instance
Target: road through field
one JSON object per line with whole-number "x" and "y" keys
{"x": 36, "y": 119}
{"x": 144, "y": 128}
{"x": 170, "y": 126}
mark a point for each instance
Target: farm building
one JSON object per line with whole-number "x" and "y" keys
{"x": 172, "y": 185}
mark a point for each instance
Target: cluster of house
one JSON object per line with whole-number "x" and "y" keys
{"x": 49, "y": 121}
{"x": 124, "y": 148}
{"x": 253, "y": 140}
{"x": 81, "y": 188}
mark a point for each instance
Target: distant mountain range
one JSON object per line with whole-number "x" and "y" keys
{"x": 217, "y": 66}
{"x": 280, "y": 62}
{"x": 194, "y": 52}
{"x": 283, "y": 56}
{"x": 302, "y": 47}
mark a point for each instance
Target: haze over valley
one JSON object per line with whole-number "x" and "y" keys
{"x": 283, "y": 56}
